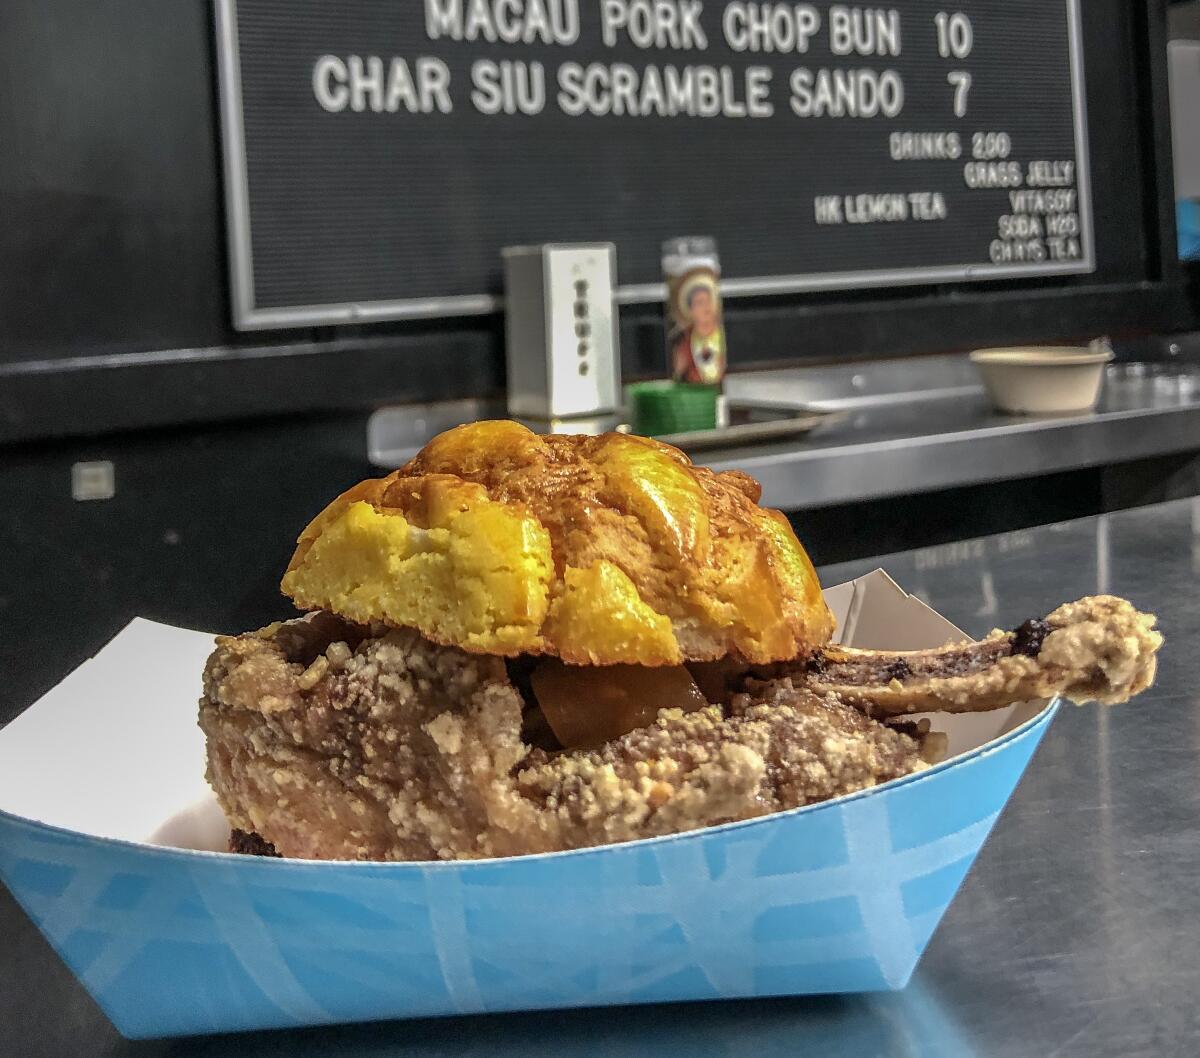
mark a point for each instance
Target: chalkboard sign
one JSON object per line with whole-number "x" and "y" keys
{"x": 380, "y": 153}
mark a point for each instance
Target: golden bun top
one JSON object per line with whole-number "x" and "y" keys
{"x": 600, "y": 550}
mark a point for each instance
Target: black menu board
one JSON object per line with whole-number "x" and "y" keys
{"x": 380, "y": 153}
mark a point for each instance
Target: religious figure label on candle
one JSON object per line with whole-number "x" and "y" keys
{"x": 695, "y": 329}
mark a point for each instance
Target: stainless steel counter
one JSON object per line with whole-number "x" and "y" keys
{"x": 1076, "y": 934}
{"x": 919, "y": 425}
{"x": 907, "y": 426}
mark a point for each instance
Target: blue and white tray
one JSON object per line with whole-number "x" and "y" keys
{"x": 103, "y": 773}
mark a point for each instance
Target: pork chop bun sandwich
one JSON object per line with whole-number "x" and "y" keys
{"x": 521, "y": 643}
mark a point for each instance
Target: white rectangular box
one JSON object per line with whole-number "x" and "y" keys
{"x": 563, "y": 347}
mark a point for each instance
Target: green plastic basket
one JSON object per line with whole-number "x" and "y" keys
{"x": 667, "y": 407}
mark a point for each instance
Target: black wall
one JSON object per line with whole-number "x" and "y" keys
{"x": 1184, "y": 21}
{"x": 198, "y": 533}
{"x": 113, "y": 293}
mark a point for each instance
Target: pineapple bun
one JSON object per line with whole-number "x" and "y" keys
{"x": 597, "y": 550}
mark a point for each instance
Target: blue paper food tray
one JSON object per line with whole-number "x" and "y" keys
{"x": 836, "y": 897}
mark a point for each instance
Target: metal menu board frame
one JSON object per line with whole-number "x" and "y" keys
{"x": 249, "y": 315}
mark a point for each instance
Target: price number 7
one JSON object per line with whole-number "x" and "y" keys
{"x": 961, "y": 80}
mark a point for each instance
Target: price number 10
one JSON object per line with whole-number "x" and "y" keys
{"x": 954, "y": 34}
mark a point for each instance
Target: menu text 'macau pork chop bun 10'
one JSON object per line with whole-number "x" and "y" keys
{"x": 521, "y": 644}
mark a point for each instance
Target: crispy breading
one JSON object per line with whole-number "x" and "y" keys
{"x": 333, "y": 743}
{"x": 332, "y": 740}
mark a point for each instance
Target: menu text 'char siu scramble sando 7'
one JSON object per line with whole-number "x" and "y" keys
{"x": 520, "y": 644}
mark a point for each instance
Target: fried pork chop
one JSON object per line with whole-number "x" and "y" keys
{"x": 331, "y": 742}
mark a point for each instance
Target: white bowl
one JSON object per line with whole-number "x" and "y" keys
{"x": 1042, "y": 380}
